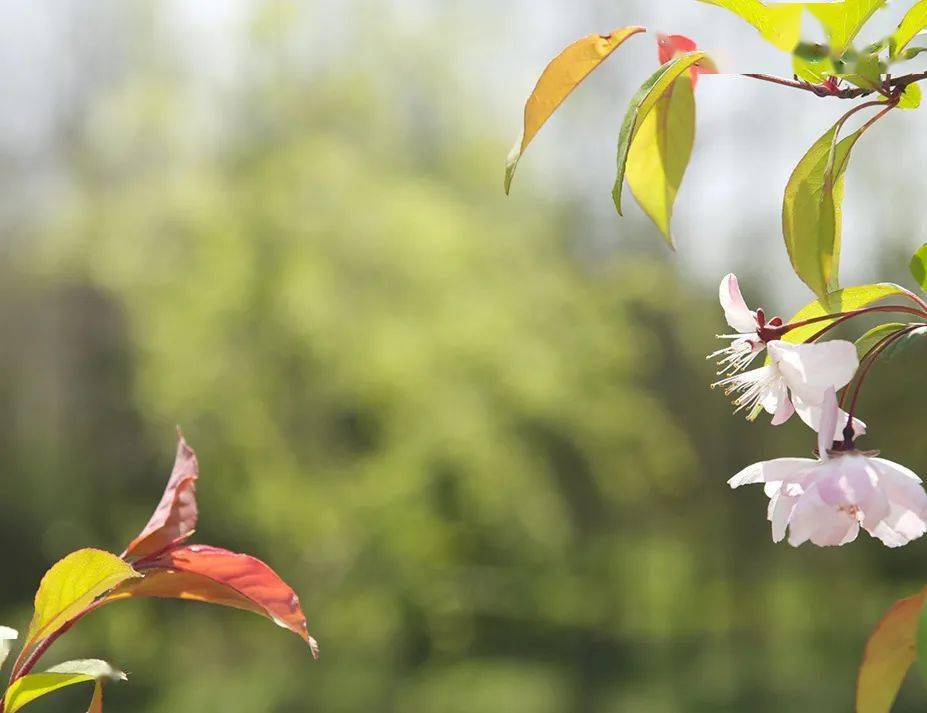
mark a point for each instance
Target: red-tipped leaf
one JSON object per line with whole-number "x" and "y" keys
{"x": 668, "y": 46}
{"x": 175, "y": 517}
{"x": 217, "y": 576}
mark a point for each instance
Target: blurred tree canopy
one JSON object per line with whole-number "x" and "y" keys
{"x": 492, "y": 469}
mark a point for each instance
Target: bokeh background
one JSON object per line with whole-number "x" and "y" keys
{"x": 474, "y": 432}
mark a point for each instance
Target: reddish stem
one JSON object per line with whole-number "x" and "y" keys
{"x": 24, "y": 666}
{"x": 892, "y": 88}
{"x": 821, "y": 90}
{"x": 844, "y": 316}
{"x": 869, "y": 360}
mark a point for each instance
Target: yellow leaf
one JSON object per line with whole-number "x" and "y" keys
{"x": 660, "y": 152}
{"x": 844, "y": 300}
{"x": 644, "y": 102}
{"x": 844, "y": 20}
{"x": 812, "y": 213}
{"x": 779, "y": 23}
{"x": 70, "y": 585}
{"x": 890, "y": 651}
{"x": 561, "y": 77}
{"x": 913, "y": 22}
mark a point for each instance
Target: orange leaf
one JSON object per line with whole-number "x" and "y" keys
{"x": 217, "y": 576}
{"x": 175, "y": 517}
{"x": 890, "y": 651}
{"x": 559, "y": 79}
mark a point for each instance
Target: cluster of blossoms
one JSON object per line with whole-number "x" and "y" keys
{"x": 824, "y": 500}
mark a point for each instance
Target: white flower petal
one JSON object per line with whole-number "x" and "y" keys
{"x": 851, "y": 535}
{"x": 736, "y": 312}
{"x": 809, "y": 369}
{"x": 811, "y": 415}
{"x": 780, "y": 511}
{"x": 906, "y": 495}
{"x": 790, "y": 470}
{"x": 826, "y": 501}
{"x": 7, "y": 637}
{"x": 776, "y": 397}
{"x": 828, "y": 420}
{"x": 783, "y": 411}
{"x": 886, "y": 466}
{"x": 906, "y": 518}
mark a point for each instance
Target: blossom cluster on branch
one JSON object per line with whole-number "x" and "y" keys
{"x": 827, "y": 499}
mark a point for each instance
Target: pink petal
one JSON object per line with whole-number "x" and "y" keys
{"x": 825, "y": 526}
{"x": 736, "y": 312}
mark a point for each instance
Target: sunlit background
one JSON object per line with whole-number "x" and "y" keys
{"x": 473, "y": 432}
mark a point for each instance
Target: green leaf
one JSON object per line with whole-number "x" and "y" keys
{"x": 660, "y": 153}
{"x": 35, "y": 685}
{"x": 70, "y": 585}
{"x": 877, "y": 46}
{"x": 876, "y": 335}
{"x": 845, "y": 300}
{"x": 890, "y": 651}
{"x": 913, "y": 22}
{"x": 910, "y": 97}
{"x": 865, "y": 72}
{"x": 811, "y": 211}
{"x": 778, "y": 23}
{"x": 557, "y": 81}
{"x": 919, "y": 266}
{"x": 843, "y": 20}
{"x": 912, "y": 52}
{"x": 644, "y": 102}
{"x": 812, "y": 63}
{"x": 909, "y": 339}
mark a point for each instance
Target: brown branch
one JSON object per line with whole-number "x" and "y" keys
{"x": 821, "y": 90}
{"x": 892, "y": 88}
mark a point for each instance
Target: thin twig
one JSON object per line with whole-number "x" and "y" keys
{"x": 892, "y": 88}
{"x": 820, "y": 90}
{"x": 869, "y": 360}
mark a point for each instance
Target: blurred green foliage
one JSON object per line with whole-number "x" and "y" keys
{"x": 493, "y": 470}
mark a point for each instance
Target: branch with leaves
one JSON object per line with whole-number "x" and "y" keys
{"x": 157, "y": 563}
{"x": 829, "y": 499}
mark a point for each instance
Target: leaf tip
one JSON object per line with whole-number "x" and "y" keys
{"x": 616, "y": 196}
{"x": 511, "y": 163}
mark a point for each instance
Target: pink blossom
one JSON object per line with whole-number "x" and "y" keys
{"x": 826, "y": 500}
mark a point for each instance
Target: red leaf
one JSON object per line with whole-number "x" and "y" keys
{"x": 669, "y": 46}
{"x": 217, "y": 576}
{"x": 175, "y": 517}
